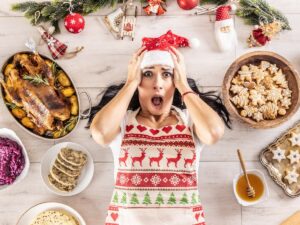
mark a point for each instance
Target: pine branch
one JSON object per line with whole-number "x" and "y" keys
{"x": 55, "y": 10}
{"x": 216, "y": 2}
{"x": 259, "y": 11}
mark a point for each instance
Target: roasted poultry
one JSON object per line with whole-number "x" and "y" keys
{"x": 46, "y": 107}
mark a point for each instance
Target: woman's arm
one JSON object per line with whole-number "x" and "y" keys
{"x": 208, "y": 126}
{"x": 106, "y": 123}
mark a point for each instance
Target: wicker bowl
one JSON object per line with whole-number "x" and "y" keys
{"x": 255, "y": 58}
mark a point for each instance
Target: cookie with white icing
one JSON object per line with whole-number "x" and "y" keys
{"x": 294, "y": 156}
{"x": 292, "y": 176}
{"x": 295, "y": 139}
{"x": 279, "y": 154}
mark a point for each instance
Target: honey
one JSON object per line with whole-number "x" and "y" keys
{"x": 256, "y": 183}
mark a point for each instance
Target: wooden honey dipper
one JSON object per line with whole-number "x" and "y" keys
{"x": 250, "y": 189}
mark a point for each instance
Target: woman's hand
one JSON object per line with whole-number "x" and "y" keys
{"x": 180, "y": 79}
{"x": 134, "y": 69}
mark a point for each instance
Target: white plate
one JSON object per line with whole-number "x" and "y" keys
{"x": 4, "y": 132}
{"x": 32, "y": 213}
{"x": 86, "y": 173}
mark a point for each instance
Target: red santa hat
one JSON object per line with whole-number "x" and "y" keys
{"x": 222, "y": 13}
{"x": 157, "y": 49}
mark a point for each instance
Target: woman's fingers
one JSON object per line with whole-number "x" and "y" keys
{"x": 174, "y": 57}
{"x": 141, "y": 56}
{"x": 177, "y": 53}
{"x": 139, "y": 52}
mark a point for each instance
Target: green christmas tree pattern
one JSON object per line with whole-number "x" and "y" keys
{"x": 116, "y": 198}
{"x": 124, "y": 198}
{"x": 147, "y": 199}
{"x": 199, "y": 200}
{"x": 184, "y": 199}
{"x": 134, "y": 199}
{"x": 172, "y": 199}
{"x": 194, "y": 198}
{"x": 159, "y": 200}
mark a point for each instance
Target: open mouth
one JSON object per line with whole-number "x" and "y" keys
{"x": 157, "y": 101}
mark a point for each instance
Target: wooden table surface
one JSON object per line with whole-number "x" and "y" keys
{"x": 103, "y": 62}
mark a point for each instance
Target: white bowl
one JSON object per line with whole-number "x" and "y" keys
{"x": 264, "y": 196}
{"x": 86, "y": 174}
{"x": 32, "y": 213}
{"x": 7, "y": 133}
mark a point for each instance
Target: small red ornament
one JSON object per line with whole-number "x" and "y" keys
{"x": 263, "y": 34}
{"x": 74, "y": 23}
{"x": 187, "y": 4}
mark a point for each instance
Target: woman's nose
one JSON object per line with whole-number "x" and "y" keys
{"x": 158, "y": 83}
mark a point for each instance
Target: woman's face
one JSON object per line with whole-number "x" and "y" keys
{"x": 156, "y": 89}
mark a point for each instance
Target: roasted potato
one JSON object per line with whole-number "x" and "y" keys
{"x": 63, "y": 79}
{"x": 74, "y": 105}
{"x": 49, "y": 63}
{"x": 8, "y": 68}
{"x": 24, "y": 56}
{"x": 27, "y": 123}
{"x": 19, "y": 113}
{"x": 57, "y": 134}
{"x": 8, "y": 98}
{"x": 68, "y": 91}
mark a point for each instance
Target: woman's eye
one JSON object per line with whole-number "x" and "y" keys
{"x": 167, "y": 74}
{"x": 147, "y": 74}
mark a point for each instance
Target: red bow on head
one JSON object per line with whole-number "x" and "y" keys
{"x": 165, "y": 41}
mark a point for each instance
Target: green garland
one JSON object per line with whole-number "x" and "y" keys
{"x": 256, "y": 11}
{"x": 215, "y": 2}
{"x": 56, "y": 10}
{"x": 253, "y": 11}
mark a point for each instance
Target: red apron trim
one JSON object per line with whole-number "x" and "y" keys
{"x": 198, "y": 208}
{"x": 189, "y": 144}
{"x": 156, "y": 189}
{"x": 113, "y": 208}
{"x": 163, "y": 137}
{"x": 156, "y": 180}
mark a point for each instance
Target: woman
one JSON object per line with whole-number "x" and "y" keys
{"x": 156, "y": 145}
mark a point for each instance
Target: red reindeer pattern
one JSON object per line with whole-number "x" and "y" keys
{"x": 139, "y": 158}
{"x": 176, "y": 159}
{"x": 190, "y": 161}
{"x": 124, "y": 158}
{"x": 157, "y": 159}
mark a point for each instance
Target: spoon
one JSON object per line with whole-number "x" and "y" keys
{"x": 250, "y": 189}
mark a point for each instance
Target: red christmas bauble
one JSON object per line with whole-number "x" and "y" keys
{"x": 74, "y": 23}
{"x": 187, "y": 4}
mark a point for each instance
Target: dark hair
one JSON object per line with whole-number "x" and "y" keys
{"x": 211, "y": 98}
